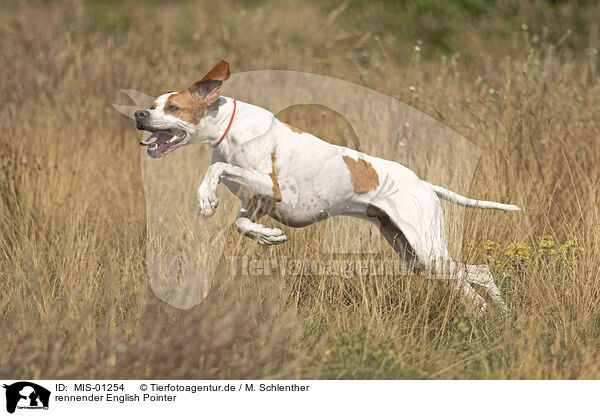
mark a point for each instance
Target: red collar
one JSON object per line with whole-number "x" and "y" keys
{"x": 228, "y": 126}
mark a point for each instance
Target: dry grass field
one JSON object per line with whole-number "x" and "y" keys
{"x": 519, "y": 81}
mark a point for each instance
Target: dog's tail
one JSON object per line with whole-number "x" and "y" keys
{"x": 468, "y": 202}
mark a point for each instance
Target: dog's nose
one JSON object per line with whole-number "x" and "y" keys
{"x": 141, "y": 114}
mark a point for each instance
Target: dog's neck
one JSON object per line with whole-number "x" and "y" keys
{"x": 215, "y": 122}
{"x": 249, "y": 123}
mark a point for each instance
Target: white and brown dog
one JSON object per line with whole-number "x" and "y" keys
{"x": 299, "y": 179}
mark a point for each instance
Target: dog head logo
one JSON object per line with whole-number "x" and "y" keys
{"x": 26, "y": 395}
{"x": 176, "y": 118}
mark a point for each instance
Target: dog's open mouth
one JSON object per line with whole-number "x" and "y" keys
{"x": 162, "y": 142}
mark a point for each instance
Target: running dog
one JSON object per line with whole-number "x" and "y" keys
{"x": 298, "y": 179}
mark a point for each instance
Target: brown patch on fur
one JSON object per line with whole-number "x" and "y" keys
{"x": 153, "y": 106}
{"x": 190, "y": 110}
{"x": 273, "y": 176}
{"x": 292, "y": 128}
{"x": 362, "y": 174}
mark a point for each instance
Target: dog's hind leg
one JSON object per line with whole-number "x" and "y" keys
{"x": 428, "y": 255}
{"x": 395, "y": 237}
{"x": 481, "y": 275}
{"x": 459, "y": 272}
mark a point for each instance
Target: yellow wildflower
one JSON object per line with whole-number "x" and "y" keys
{"x": 490, "y": 245}
{"x": 571, "y": 250}
{"x": 521, "y": 251}
{"x": 546, "y": 243}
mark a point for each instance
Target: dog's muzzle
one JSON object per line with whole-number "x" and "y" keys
{"x": 161, "y": 141}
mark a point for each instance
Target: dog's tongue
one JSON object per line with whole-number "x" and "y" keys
{"x": 162, "y": 136}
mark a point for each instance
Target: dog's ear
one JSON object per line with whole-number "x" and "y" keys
{"x": 207, "y": 90}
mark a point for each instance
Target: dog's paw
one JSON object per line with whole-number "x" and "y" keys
{"x": 271, "y": 237}
{"x": 207, "y": 200}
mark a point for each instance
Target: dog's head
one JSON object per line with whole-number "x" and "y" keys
{"x": 175, "y": 117}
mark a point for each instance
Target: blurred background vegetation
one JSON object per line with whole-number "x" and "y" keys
{"x": 444, "y": 26}
{"x": 519, "y": 79}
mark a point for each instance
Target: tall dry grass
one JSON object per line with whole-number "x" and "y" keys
{"x": 74, "y": 295}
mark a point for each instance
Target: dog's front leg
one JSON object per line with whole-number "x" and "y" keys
{"x": 246, "y": 225}
{"x": 251, "y": 184}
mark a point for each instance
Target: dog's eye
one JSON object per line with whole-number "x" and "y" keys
{"x": 172, "y": 108}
